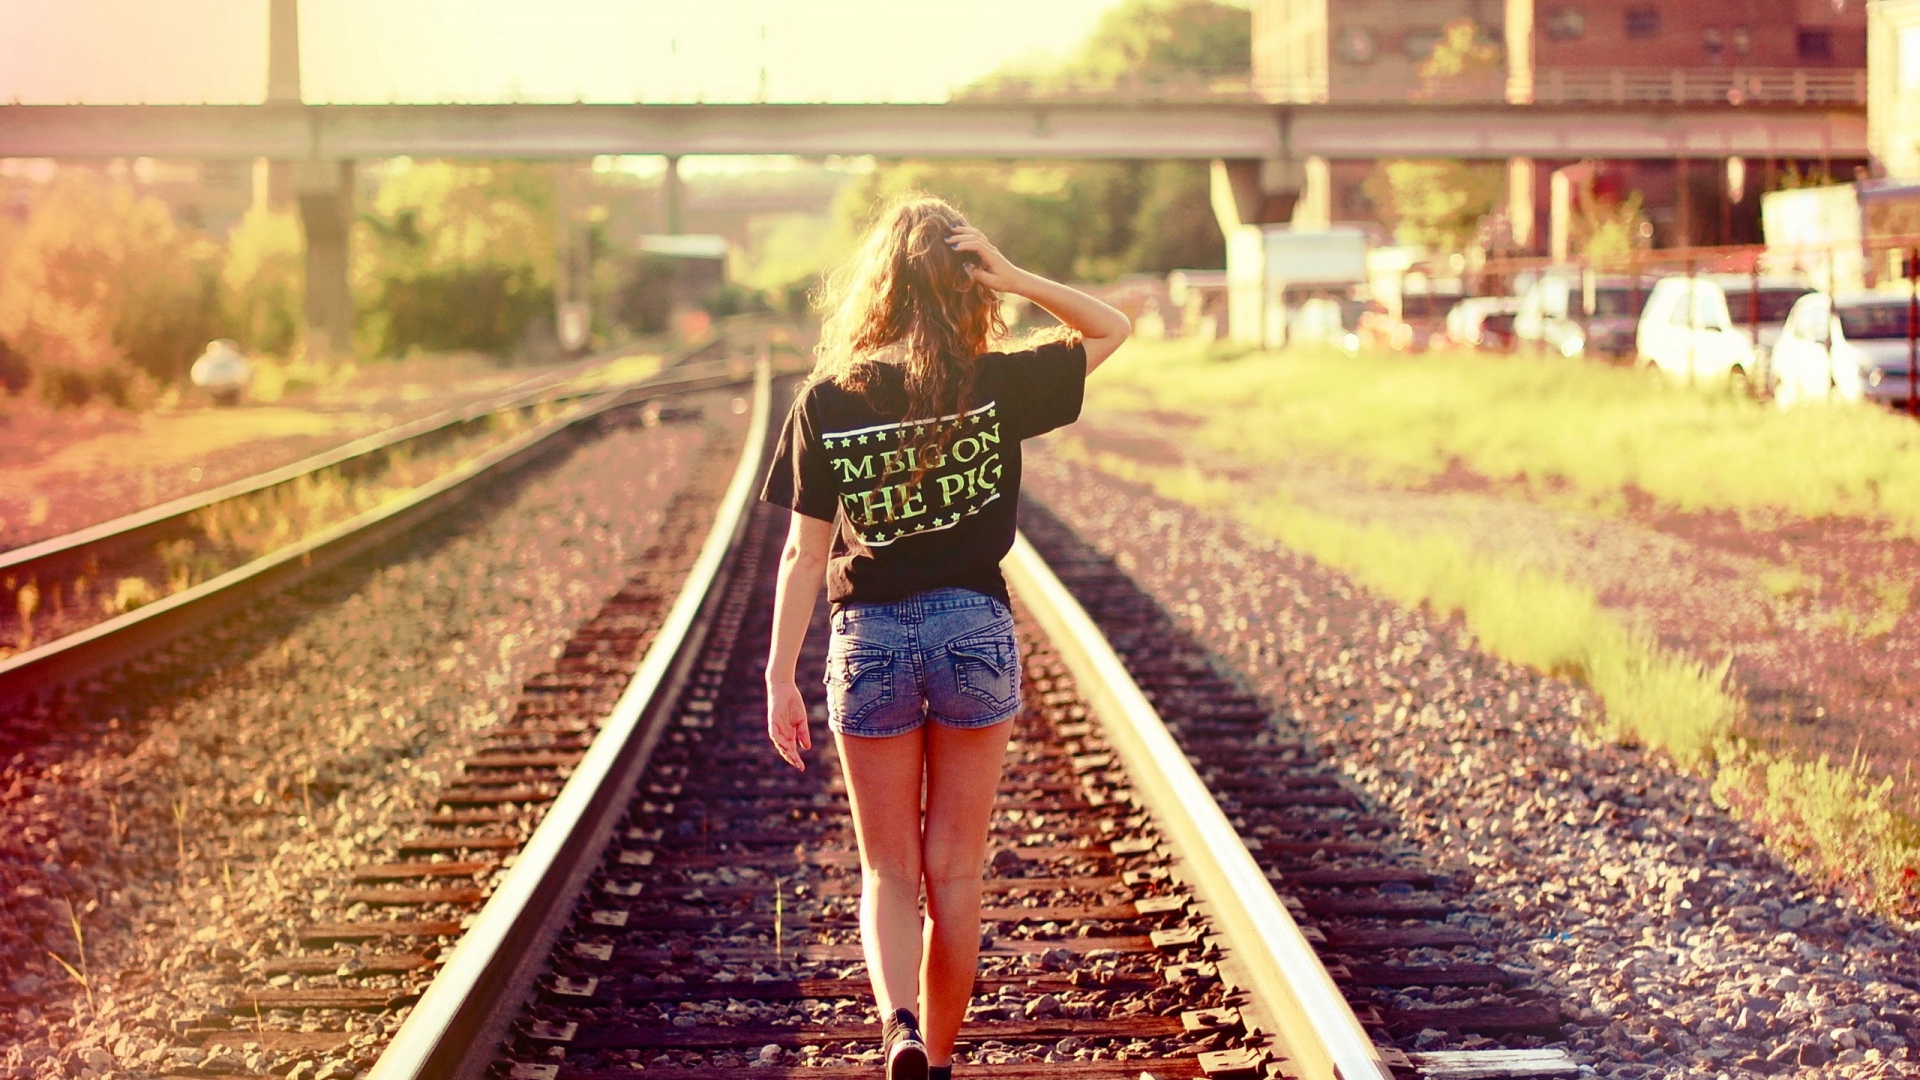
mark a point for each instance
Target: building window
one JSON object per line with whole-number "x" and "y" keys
{"x": 1643, "y": 22}
{"x": 1712, "y": 42}
{"x": 1566, "y": 24}
{"x": 1357, "y": 45}
{"x": 1742, "y": 41}
{"x": 1816, "y": 46}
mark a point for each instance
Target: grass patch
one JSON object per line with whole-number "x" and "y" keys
{"x": 1833, "y": 823}
{"x": 1604, "y": 431}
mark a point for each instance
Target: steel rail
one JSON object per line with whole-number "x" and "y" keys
{"x": 123, "y": 636}
{"x": 1319, "y": 1032}
{"x": 454, "y": 1028}
{"x": 528, "y": 394}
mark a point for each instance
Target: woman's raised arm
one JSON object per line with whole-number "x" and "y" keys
{"x": 1102, "y": 327}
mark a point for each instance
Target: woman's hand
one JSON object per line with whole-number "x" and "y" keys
{"x": 994, "y": 270}
{"x": 787, "y": 722}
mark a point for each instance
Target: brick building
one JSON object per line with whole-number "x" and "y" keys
{"x": 1625, "y": 52}
{"x": 1893, "y": 100}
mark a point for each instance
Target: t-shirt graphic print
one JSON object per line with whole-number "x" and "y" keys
{"x": 904, "y": 525}
{"x": 882, "y": 498}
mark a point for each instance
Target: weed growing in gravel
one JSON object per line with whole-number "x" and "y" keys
{"x": 1606, "y": 431}
{"x": 1831, "y": 823}
{"x": 1828, "y": 818}
{"x": 27, "y": 602}
{"x": 82, "y": 974}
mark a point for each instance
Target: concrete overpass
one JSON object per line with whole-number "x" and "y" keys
{"x": 1262, "y": 150}
{"x": 1085, "y": 129}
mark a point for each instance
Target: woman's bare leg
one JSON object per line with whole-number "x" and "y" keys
{"x": 963, "y": 772}
{"x": 883, "y": 787}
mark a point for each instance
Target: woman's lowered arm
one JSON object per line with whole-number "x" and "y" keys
{"x": 803, "y": 566}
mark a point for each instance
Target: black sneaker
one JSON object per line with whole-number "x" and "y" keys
{"x": 906, "y": 1051}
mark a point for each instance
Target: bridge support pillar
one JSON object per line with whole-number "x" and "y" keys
{"x": 670, "y": 195}
{"x": 1559, "y": 215}
{"x": 1313, "y": 209}
{"x": 1249, "y": 198}
{"x": 1520, "y": 202}
{"x": 325, "y": 193}
{"x": 1255, "y": 192}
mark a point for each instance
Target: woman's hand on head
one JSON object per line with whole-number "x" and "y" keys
{"x": 993, "y": 270}
{"x": 787, "y": 723}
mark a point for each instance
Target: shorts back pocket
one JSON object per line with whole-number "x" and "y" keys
{"x": 859, "y": 681}
{"x": 986, "y": 667}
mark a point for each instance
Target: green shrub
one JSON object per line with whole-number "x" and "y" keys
{"x": 455, "y": 256}
{"x": 100, "y": 286}
{"x": 265, "y": 280}
{"x": 15, "y": 372}
{"x": 66, "y": 387}
{"x": 483, "y": 308}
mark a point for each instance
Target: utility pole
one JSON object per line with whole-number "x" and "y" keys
{"x": 670, "y": 195}
{"x": 324, "y": 190}
{"x": 572, "y": 264}
{"x": 1913, "y": 332}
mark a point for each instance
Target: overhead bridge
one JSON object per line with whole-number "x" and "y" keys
{"x": 1235, "y": 129}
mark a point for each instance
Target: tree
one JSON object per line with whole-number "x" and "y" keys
{"x": 1437, "y": 204}
{"x": 1139, "y": 44}
{"x": 1163, "y": 40}
{"x": 455, "y": 256}
{"x": 102, "y": 291}
{"x": 1463, "y": 66}
{"x": 1095, "y": 220}
{"x": 265, "y": 275}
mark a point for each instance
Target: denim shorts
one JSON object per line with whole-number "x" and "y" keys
{"x": 945, "y": 654}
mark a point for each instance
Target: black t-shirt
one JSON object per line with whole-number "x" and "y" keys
{"x": 840, "y": 460}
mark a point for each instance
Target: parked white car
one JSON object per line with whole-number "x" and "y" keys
{"x": 1847, "y": 348}
{"x": 1465, "y": 318}
{"x": 1688, "y": 332}
{"x": 1552, "y": 314}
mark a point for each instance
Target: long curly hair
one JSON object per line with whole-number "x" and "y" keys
{"x": 906, "y": 299}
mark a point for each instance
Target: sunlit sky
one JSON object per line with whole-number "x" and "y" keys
{"x": 359, "y": 51}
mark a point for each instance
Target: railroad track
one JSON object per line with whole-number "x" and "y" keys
{"x": 66, "y": 574}
{"x": 686, "y": 906}
{"x": 623, "y": 876}
{"x": 1411, "y": 957}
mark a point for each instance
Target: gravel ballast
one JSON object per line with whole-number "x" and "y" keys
{"x": 1676, "y": 944}
{"x": 198, "y": 810}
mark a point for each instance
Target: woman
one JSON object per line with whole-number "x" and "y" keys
{"x": 901, "y": 463}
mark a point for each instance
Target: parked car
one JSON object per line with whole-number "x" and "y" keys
{"x": 1687, "y": 331}
{"x": 1466, "y": 319}
{"x": 1496, "y": 332}
{"x": 1760, "y": 313}
{"x": 1849, "y": 348}
{"x": 1317, "y": 320}
{"x": 1552, "y": 315}
{"x": 1422, "y": 324}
